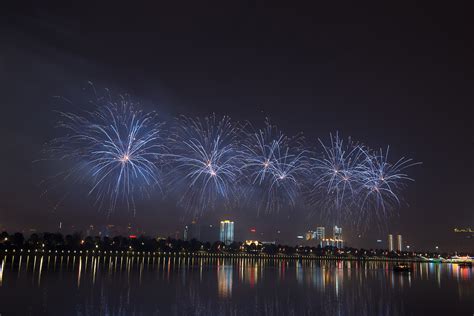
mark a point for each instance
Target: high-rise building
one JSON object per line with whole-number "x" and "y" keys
{"x": 227, "y": 232}
{"x": 330, "y": 242}
{"x": 186, "y": 233}
{"x": 192, "y": 231}
{"x": 390, "y": 242}
{"x": 337, "y": 232}
{"x": 336, "y": 241}
{"x": 320, "y": 233}
{"x": 399, "y": 243}
{"x": 90, "y": 231}
{"x": 316, "y": 235}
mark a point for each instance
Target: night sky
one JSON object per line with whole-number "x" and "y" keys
{"x": 399, "y": 76}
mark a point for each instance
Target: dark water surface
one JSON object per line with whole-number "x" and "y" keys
{"x": 74, "y": 285}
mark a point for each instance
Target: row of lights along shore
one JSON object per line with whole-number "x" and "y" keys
{"x": 193, "y": 254}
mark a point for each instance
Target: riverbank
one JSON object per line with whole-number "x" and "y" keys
{"x": 202, "y": 254}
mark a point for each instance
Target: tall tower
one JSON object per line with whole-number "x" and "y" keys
{"x": 227, "y": 232}
{"x": 399, "y": 243}
{"x": 337, "y": 232}
{"x": 192, "y": 231}
{"x": 390, "y": 242}
{"x": 186, "y": 233}
{"x": 320, "y": 233}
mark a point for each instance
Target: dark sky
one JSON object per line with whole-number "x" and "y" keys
{"x": 385, "y": 75}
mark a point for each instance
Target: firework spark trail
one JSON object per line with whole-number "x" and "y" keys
{"x": 258, "y": 152}
{"x": 206, "y": 161}
{"x": 275, "y": 169}
{"x": 336, "y": 174}
{"x": 350, "y": 181}
{"x": 382, "y": 182}
{"x": 116, "y": 146}
{"x": 288, "y": 172}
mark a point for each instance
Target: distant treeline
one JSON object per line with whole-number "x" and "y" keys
{"x": 57, "y": 241}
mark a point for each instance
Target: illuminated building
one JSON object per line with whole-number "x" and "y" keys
{"x": 331, "y": 242}
{"x": 339, "y": 243}
{"x": 464, "y": 230}
{"x": 337, "y": 232}
{"x": 390, "y": 242}
{"x": 192, "y": 231}
{"x": 255, "y": 242}
{"x": 90, "y": 230}
{"x": 226, "y": 234}
{"x": 467, "y": 232}
{"x": 186, "y": 233}
{"x": 336, "y": 241}
{"x": 320, "y": 233}
{"x": 399, "y": 243}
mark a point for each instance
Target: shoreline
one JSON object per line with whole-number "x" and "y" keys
{"x": 205, "y": 255}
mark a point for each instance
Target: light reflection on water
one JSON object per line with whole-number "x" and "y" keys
{"x": 110, "y": 285}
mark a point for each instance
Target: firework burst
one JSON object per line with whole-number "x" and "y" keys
{"x": 336, "y": 180}
{"x": 115, "y": 149}
{"x": 119, "y": 152}
{"x": 349, "y": 181}
{"x": 274, "y": 168}
{"x": 206, "y": 161}
{"x": 382, "y": 182}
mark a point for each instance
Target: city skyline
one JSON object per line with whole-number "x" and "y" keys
{"x": 198, "y": 227}
{"x": 213, "y": 232}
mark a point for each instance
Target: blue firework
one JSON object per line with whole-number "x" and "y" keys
{"x": 119, "y": 152}
{"x": 353, "y": 182}
{"x": 258, "y": 152}
{"x": 115, "y": 149}
{"x": 336, "y": 177}
{"x": 275, "y": 169}
{"x": 382, "y": 182}
{"x": 206, "y": 161}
